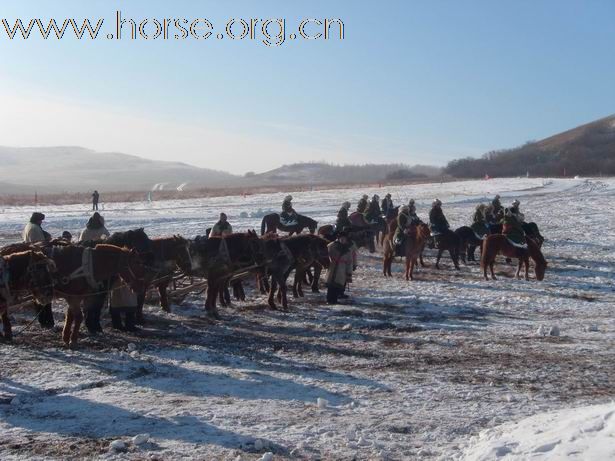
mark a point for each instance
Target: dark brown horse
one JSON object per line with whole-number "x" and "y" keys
{"x": 22, "y": 274}
{"x": 448, "y": 241}
{"x": 469, "y": 242}
{"x": 221, "y": 259}
{"x": 416, "y": 237}
{"x": 272, "y": 223}
{"x": 308, "y": 251}
{"x": 169, "y": 255}
{"x": 75, "y": 281}
{"x": 498, "y": 243}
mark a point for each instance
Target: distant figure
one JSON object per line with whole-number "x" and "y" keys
{"x": 222, "y": 227}
{"x": 67, "y": 236}
{"x": 95, "y": 198}
{"x": 288, "y": 217}
{"x": 33, "y": 232}
{"x": 386, "y": 205}
{"x": 437, "y": 221}
{"x": 362, "y": 205}
{"x": 95, "y": 229}
{"x": 373, "y": 212}
{"x": 342, "y": 217}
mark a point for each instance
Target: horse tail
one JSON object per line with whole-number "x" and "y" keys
{"x": 263, "y": 225}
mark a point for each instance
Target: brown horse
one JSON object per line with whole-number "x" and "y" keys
{"x": 220, "y": 259}
{"x": 24, "y": 273}
{"x": 498, "y": 243}
{"x": 272, "y": 223}
{"x": 414, "y": 243}
{"x": 169, "y": 255}
{"x": 74, "y": 281}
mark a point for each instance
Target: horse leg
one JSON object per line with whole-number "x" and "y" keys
{"x": 212, "y": 295}
{"x": 300, "y": 285}
{"x": 6, "y": 324}
{"x": 385, "y": 260}
{"x": 272, "y": 290}
{"x": 519, "y": 268}
{"x": 164, "y": 298}
{"x": 408, "y": 259}
{"x": 140, "y": 303}
{"x": 438, "y": 259}
{"x": 77, "y": 319}
{"x": 283, "y": 289}
{"x": 412, "y": 264}
{"x": 455, "y": 257}
{"x": 316, "y": 278}
{"x": 527, "y": 267}
{"x": 296, "y": 283}
{"x": 68, "y": 322}
{"x": 421, "y": 258}
{"x": 492, "y": 271}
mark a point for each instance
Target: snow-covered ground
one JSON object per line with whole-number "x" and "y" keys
{"x": 446, "y": 367}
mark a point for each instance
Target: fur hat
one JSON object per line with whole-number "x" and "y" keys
{"x": 436, "y": 202}
{"x": 516, "y": 203}
{"x": 346, "y": 204}
{"x": 405, "y": 209}
{"x": 365, "y": 196}
{"x": 376, "y": 197}
{"x": 288, "y": 198}
{"x": 388, "y": 195}
{"x": 36, "y": 217}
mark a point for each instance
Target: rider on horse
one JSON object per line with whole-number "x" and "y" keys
{"x": 362, "y": 205}
{"x": 342, "y": 216}
{"x": 386, "y": 205}
{"x": 514, "y": 209}
{"x": 512, "y": 229}
{"x": 437, "y": 221}
{"x": 479, "y": 221}
{"x": 288, "y": 215}
{"x": 497, "y": 209}
{"x": 373, "y": 213}
{"x": 412, "y": 212}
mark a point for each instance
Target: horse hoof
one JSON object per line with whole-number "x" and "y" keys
{"x": 214, "y": 315}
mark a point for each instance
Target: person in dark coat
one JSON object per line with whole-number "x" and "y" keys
{"x": 95, "y": 198}
{"x": 342, "y": 217}
{"x": 386, "y": 205}
{"x": 412, "y": 213}
{"x": 288, "y": 215}
{"x": 362, "y": 205}
{"x": 373, "y": 212}
{"x": 479, "y": 221}
{"x": 437, "y": 221}
{"x": 497, "y": 209}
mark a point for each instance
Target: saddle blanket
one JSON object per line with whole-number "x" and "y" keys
{"x": 292, "y": 222}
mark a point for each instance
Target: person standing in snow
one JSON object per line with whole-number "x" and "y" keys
{"x": 343, "y": 261}
{"x": 288, "y": 215}
{"x": 95, "y": 198}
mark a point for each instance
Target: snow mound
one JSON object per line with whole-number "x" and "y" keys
{"x": 573, "y": 434}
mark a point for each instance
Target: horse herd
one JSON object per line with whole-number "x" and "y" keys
{"x": 81, "y": 273}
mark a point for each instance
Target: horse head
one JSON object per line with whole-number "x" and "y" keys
{"x": 40, "y": 277}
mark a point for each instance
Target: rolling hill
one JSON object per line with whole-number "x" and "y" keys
{"x": 75, "y": 169}
{"x": 587, "y": 150}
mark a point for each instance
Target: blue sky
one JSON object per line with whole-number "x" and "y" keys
{"x": 412, "y": 81}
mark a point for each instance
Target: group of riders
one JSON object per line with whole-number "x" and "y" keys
{"x": 487, "y": 219}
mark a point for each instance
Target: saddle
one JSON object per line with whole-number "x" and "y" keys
{"x": 291, "y": 220}
{"x": 520, "y": 245}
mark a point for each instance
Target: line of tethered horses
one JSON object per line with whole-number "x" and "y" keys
{"x": 61, "y": 270}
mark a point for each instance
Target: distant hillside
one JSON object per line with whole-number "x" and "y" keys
{"x": 586, "y": 150}
{"x": 69, "y": 169}
{"x": 59, "y": 170}
{"x": 325, "y": 173}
